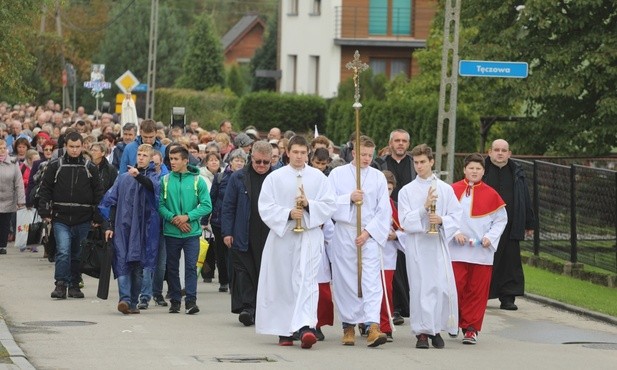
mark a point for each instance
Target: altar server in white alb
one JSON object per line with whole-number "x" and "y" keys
{"x": 433, "y": 299}
{"x": 482, "y": 223}
{"x": 288, "y": 292}
{"x": 375, "y": 225}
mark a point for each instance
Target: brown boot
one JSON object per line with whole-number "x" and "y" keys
{"x": 349, "y": 336}
{"x": 375, "y": 337}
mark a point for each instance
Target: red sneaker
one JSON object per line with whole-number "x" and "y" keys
{"x": 471, "y": 337}
{"x": 286, "y": 341}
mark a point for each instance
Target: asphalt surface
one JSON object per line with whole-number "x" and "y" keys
{"x": 42, "y": 333}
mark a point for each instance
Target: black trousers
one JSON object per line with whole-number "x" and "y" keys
{"x": 221, "y": 253}
{"x": 5, "y": 225}
{"x": 244, "y": 281}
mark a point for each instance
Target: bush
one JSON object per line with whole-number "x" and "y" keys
{"x": 208, "y": 107}
{"x": 265, "y": 110}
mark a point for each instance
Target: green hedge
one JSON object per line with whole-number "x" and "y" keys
{"x": 265, "y": 110}
{"x": 208, "y": 107}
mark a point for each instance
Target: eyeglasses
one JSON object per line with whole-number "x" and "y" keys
{"x": 261, "y": 161}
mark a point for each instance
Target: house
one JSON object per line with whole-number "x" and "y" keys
{"x": 243, "y": 39}
{"x": 318, "y": 37}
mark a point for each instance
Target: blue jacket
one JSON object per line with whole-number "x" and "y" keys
{"x": 236, "y": 211}
{"x": 217, "y": 194}
{"x": 129, "y": 156}
{"x": 137, "y": 222}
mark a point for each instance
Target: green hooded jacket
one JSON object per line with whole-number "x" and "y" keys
{"x": 184, "y": 194}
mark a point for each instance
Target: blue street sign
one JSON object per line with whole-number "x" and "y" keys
{"x": 140, "y": 88}
{"x": 479, "y": 68}
{"x": 97, "y": 86}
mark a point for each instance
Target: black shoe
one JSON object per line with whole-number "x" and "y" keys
{"x": 2, "y": 250}
{"x": 246, "y": 317}
{"x": 175, "y": 307}
{"x": 159, "y": 300}
{"x": 191, "y": 308}
{"x": 223, "y": 288}
{"x": 143, "y": 304}
{"x": 437, "y": 341}
{"x": 75, "y": 292}
{"x": 510, "y": 306}
{"x": 389, "y": 337}
{"x": 319, "y": 335}
{"x": 397, "y": 319}
{"x": 422, "y": 342}
{"x": 362, "y": 330}
{"x": 207, "y": 280}
{"x": 60, "y": 291}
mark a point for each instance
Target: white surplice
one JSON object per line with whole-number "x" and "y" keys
{"x": 376, "y": 217}
{"x": 433, "y": 301}
{"x": 288, "y": 291}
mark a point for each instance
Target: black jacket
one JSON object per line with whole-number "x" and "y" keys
{"x": 521, "y": 216}
{"x": 108, "y": 173}
{"x": 72, "y": 196}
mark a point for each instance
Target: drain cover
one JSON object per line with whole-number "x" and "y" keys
{"x": 245, "y": 359}
{"x": 59, "y": 323}
{"x": 596, "y": 345}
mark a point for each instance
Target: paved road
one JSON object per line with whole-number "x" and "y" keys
{"x": 90, "y": 334}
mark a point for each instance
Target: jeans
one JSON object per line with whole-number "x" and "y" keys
{"x": 159, "y": 274}
{"x": 146, "y": 284}
{"x": 175, "y": 246}
{"x": 68, "y": 251}
{"x": 130, "y": 285}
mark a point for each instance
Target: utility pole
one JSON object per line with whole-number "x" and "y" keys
{"x": 448, "y": 88}
{"x": 154, "y": 25}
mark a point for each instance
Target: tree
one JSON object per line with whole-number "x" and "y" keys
{"x": 265, "y": 58}
{"x": 235, "y": 80}
{"x": 15, "y": 60}
{"x": 203, "y": 63}
{"x": 571, "y": 48}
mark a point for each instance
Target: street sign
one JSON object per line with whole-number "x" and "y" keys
{"x": 479, "y": 68}
{"x": 97, "y": 85}
{"x": 127, "y": 82}
{"x": 140, "y": 88}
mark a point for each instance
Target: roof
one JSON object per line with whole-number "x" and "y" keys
{"x": 240, "y": 28}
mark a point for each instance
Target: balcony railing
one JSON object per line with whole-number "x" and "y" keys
{"x": 373, "y": 22}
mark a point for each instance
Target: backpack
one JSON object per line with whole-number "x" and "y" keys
{"x": 38, "y": 177}
{"x": 166, "y": 181}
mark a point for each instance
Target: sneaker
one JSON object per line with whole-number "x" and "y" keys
{"x": 2, "y": 250}
{"x": 143, "y": 304}
{"x": 124, "y": 307}
{"x": 246, "y": 317}
{"x": 437, "y": 341}
{"x": 60, "y": 291}
{"x": 375, "y": 337}
{"x": 471, "y": 336}
{"x": 75, "y": 292}
{"x": 397, "y": 319}
{"x": 159, "y": 300}
{"x": 319, "y": 335}
{"x": 285, "y": 341}
{"x": 389, "y": 338}
{"x": 190, "y": 308}
{"x": 175, "y": 307}
{"x": 307, "y": 339}
{"x": 223, "y": 288}
{"x": 349, "y": 336}
{"x": 454, "y": 335}
{"x": 422, "y": 342}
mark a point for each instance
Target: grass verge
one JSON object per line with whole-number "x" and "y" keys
{"x": 4, "y": 356}
{"x": 570, "y": 290}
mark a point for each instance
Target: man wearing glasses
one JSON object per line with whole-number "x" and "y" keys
{"x": 243, "y": 230}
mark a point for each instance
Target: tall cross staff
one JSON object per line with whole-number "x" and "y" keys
{"x": 357, "y": 66}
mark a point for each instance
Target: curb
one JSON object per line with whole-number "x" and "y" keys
{"x": 16, "y": 355}
{"x": 574, "y": 309}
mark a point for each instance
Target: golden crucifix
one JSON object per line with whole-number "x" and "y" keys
{"x": 357, "y": 67}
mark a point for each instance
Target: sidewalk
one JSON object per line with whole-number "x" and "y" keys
{"x": 90, "y": 333}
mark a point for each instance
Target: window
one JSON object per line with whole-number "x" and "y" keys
{"x": 389, "y": 17}
{"x": 293, "y": 7}
{"x": 313, "y": 81}
{"x": 389, "y": 66}
{"x": 292, "y": 67}
{"x": 316, "y": 7}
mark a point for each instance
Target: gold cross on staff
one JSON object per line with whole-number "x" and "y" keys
{"x": 357, "y": 66}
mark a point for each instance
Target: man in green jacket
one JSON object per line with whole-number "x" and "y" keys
{"x": 183, "y": 201}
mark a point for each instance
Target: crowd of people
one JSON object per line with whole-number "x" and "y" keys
{"x": 290, "y": 229}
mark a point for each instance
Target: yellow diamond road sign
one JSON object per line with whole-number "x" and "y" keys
{"x": 127, "y": 82}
